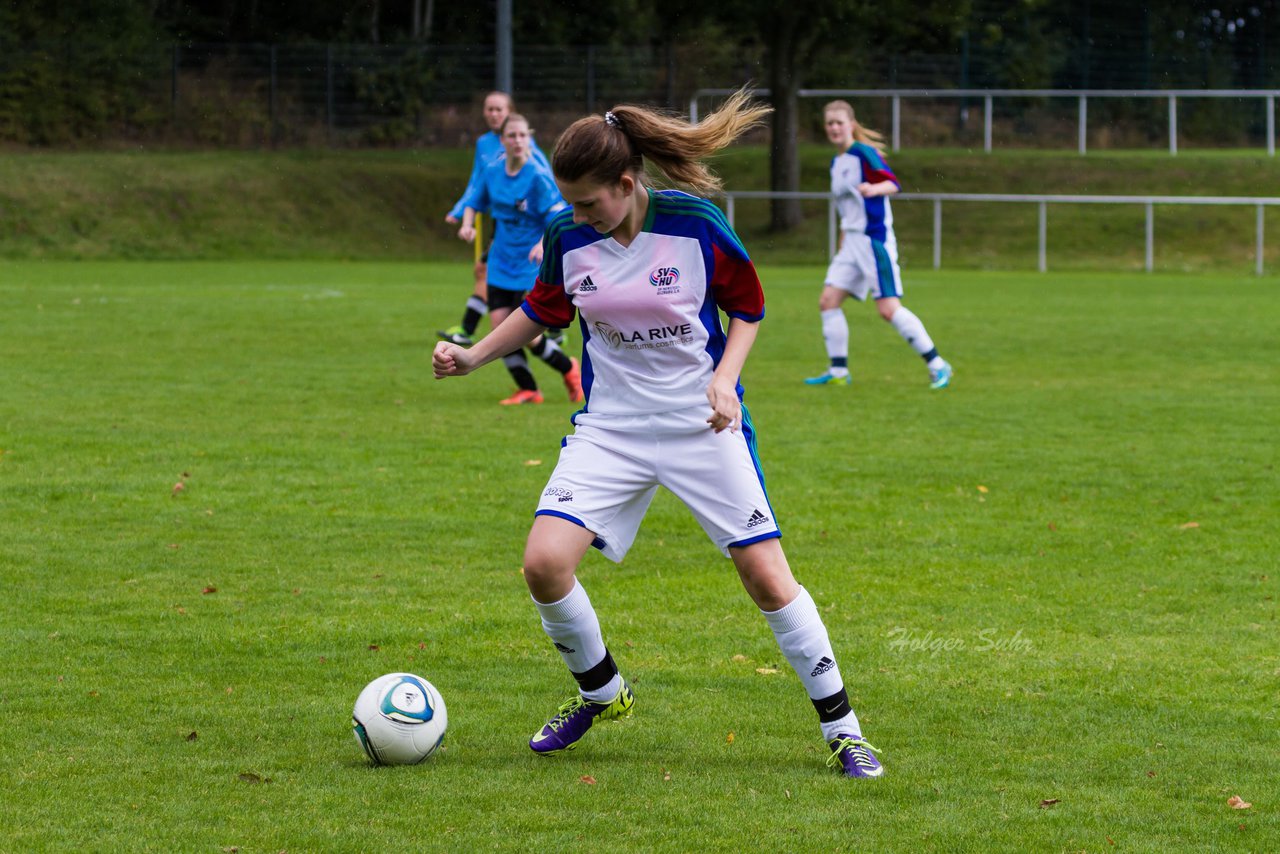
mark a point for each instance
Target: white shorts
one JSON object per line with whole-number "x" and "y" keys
{"x": 606, "y": 478}
{"x": 864, "y": 265}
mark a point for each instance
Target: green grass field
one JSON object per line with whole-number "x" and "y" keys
{"x": 1052, "y": 587}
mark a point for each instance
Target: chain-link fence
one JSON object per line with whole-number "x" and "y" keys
{"x": 256, "y": 95}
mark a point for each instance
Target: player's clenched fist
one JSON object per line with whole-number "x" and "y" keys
{"x": 450, "y": 360}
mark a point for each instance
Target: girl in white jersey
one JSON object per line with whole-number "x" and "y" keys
{"x": 868, "y": 258}
{"x": 647, "y": 273}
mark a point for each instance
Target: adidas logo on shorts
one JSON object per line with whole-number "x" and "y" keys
{"x": 757, "y": 518}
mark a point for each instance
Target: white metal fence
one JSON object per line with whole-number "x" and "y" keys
{"x": 988, "y": 96}
{"x": 1042, "y": 202}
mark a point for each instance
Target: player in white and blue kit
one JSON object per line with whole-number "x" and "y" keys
{"x": 522, "y": 198}
{"x": 867, "y": 262}
{"x": 497, "y": 106}
{"x": 647, "y": 274}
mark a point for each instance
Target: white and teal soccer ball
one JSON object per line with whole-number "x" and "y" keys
{"x": 399, "y": 719}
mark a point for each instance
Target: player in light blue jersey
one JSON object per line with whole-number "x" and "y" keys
{"x": 867, "y": 262}
{"x": 497, "y": 106}
{"x": 521, "y": 197}
{"x": 647, "y": 274}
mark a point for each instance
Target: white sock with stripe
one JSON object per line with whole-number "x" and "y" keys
{"x": 835, "y": 334}
{"x": 574, "y": 629}
{"x": 803, "y": 638}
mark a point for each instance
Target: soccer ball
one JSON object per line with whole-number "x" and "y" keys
{"x": 399, "y": 719}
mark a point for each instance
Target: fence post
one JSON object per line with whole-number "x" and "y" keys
{"x": 328, "y": 90}
{"x": 937, "y": 234}
{"x": 1043, "y": 264}
{"x": 1151, "y": 237}
{"x": 897, "y": 121}
{"x": 729, "y": 208}
{"x": 272, "y": 117}
{"x": 986, "y": 123}
{"x": 1257, "y": 265}
{"x": 831, "y": 227}
{"x": 1173, "y": 124}
{"x": 1084, "y": 124}
{"x": 173, "y": 83}
{"x": 1271, "y": 125}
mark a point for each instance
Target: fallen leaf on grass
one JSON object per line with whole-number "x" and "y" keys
{"x": 587, "y": 779}
{"x": 533, "y": 462}
{"x": 192, "y": 736}
{"x": 766, "y": 671}
{"x": 1048, "y": 802}
{"x": 983, "y": 489}
{"x": 250, "y": 777}
{"x": 178, "y": 488}
{"x": 373, "y": 647}
{"x": 666, "y": 775}
{"x": 739, "y": 658}
{"x": 1238, "y": 803}
{"x": 729, "y": 738}
{"x": 1187, "y": 525}
{"x": 1052, "y": 527}
{"x": 209, "y": 589}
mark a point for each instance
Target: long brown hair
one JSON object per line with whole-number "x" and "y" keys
{"x": 604, "y": 148}
{"x": 865, "y": 135}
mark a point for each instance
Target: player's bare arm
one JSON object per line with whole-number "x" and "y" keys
{"x": 722, "y": 394}
{"x": 451, "y": 360}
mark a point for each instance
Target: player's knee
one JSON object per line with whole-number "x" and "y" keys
{"x": 547, "y": 574}
{"x": 828, "y": 301}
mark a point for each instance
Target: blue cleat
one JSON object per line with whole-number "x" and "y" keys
{"x": 829, "y": 379}
{"x": 941, "y": 378}
{"x": 854, "y": 756}
{"x": 571, "y": 722}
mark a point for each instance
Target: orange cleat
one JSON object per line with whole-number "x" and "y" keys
{"x": 573, "y": 381}
{"x": 522, "y": 396}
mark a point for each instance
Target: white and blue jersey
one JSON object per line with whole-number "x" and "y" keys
{"x": 488, "y": 149}
{"x": 522, "y": 205}
{"x": 867, "y": 262}
{"x": 648, "y": 312}
{"x": 873, "y": 216}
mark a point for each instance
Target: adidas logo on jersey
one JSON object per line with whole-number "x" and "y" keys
{"x": 587, "y": 286}
{"x": 757, "y": 518}
{"x": 824, "y": 664}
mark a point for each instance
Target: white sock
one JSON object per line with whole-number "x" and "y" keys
{"x": 911, "y": 330}
{"x": 477, "y": 305}
{"x": 803, "y": 639}
{"x": 835, "y": 334}
{"x": 573, "y": 627}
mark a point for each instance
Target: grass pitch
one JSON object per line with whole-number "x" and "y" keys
{"x": 1051, "y": 587}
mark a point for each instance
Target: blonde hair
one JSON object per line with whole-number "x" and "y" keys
{"x": 604, "y": 148}
{"x": 865, "y": 135}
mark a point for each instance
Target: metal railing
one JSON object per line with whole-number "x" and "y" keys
{"x": 1082, "y": 96}
{"x": 1260, "y": 203}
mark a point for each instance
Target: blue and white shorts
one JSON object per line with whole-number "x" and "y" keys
{"x": 865, "y": 265}
{"x": 611, "y": 466}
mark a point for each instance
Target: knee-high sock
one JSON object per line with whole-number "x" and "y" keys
{"x": 574, "y": 629}
{"x": 476, "y": 309}
{"x": 518, "y": 367}
{"x": 804, "y": 642}
{"x": 835, "y": 334}
{"x": 913, "y": 332}
{"x": 550, "y": 352}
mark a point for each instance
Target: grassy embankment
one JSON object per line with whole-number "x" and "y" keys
{"x": 389, "y": 205}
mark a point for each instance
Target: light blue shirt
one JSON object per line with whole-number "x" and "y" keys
{"x": 488, "y": 149}
{"x": 522, "y": 205}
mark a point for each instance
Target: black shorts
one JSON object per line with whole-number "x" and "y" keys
{"x": 502, "y": 298}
